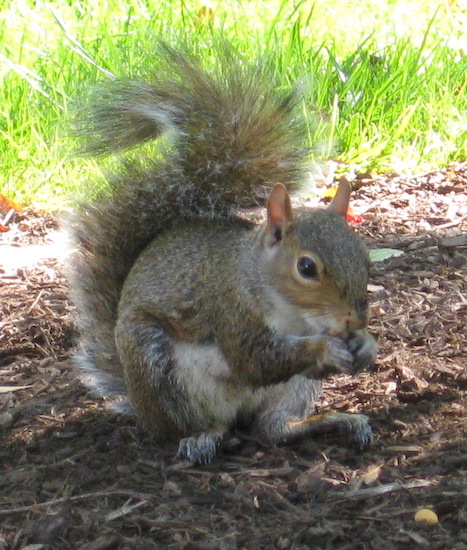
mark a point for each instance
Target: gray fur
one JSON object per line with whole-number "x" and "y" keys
{"x": 234, "y": 135}
{"x": 183, "y": 305}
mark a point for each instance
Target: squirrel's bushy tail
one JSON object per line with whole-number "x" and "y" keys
{"x": 232, "y": 135}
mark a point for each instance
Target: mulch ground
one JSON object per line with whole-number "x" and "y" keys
{"x": 76, "y": 476}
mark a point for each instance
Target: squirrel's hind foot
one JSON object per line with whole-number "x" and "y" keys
{"x": 360, "y": 430}
{"x": 357, "y": 426}
{"x": 201, "y": 449}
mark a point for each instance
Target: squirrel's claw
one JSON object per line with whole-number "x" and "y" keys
{"x": 351, "y": 356}
{"x": 335, "y": 356}
{"x": 363, "y": 348}
{"x": 201, "y": 449}
{"x": 359, "y": 429}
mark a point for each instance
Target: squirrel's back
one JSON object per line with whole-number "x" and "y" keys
{"x": 232, "y": 135}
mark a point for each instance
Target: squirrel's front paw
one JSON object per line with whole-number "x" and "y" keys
{"x": 362, "y": 346}
{"x": 333, "y": 355}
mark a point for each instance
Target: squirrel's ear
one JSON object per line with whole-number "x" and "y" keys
{"x": 279, "y": 213}
{"x": 340, "y": 202}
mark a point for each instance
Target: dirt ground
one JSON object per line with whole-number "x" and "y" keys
{"x": 76, "y": 476}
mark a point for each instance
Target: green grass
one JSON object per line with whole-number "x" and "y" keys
{"x": 386, "y": 81}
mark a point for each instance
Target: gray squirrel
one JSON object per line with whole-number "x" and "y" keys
{"x": 190, "y": 315}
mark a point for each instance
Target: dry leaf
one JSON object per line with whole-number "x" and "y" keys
{"x": 352, "y": 216}
{"x": 380, "y": 254}
{"x": 7, "y": 204}
{"x": 329, "y": 192}
{"x": 372, "y": 474}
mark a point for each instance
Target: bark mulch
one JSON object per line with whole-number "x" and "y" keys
{"x": 76, "y": 476}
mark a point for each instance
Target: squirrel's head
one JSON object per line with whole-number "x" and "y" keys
{"x": 316, "y": 262}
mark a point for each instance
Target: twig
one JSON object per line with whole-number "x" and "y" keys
{"x": 6, "y": 220}
{"x": 126, "y": 509}
{"x": 77, "y": 498}
{"x": 452, "y": 224}
{"x": 381, "y": 490}
{"x": 264, "y": 472}
{"x": 34, "y": 304}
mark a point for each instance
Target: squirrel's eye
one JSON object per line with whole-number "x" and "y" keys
{"x": 307, "y": 268}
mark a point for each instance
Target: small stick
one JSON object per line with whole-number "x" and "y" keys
{"x": 382, "y": 490}
{"x": 77, "y": 498}
{"x": 7, "y": 219}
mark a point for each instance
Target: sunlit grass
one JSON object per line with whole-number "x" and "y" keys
{"x": 385, "y": 81}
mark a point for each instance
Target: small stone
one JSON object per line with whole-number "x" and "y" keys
{"x": 6, "y": 420}
{"x": 458, "y": 261}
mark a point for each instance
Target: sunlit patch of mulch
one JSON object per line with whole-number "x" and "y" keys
{"x": 75, "y": 476}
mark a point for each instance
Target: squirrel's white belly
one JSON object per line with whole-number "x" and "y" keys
{"x": 205, "y": 375}
{"x": 207, "y": 379}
